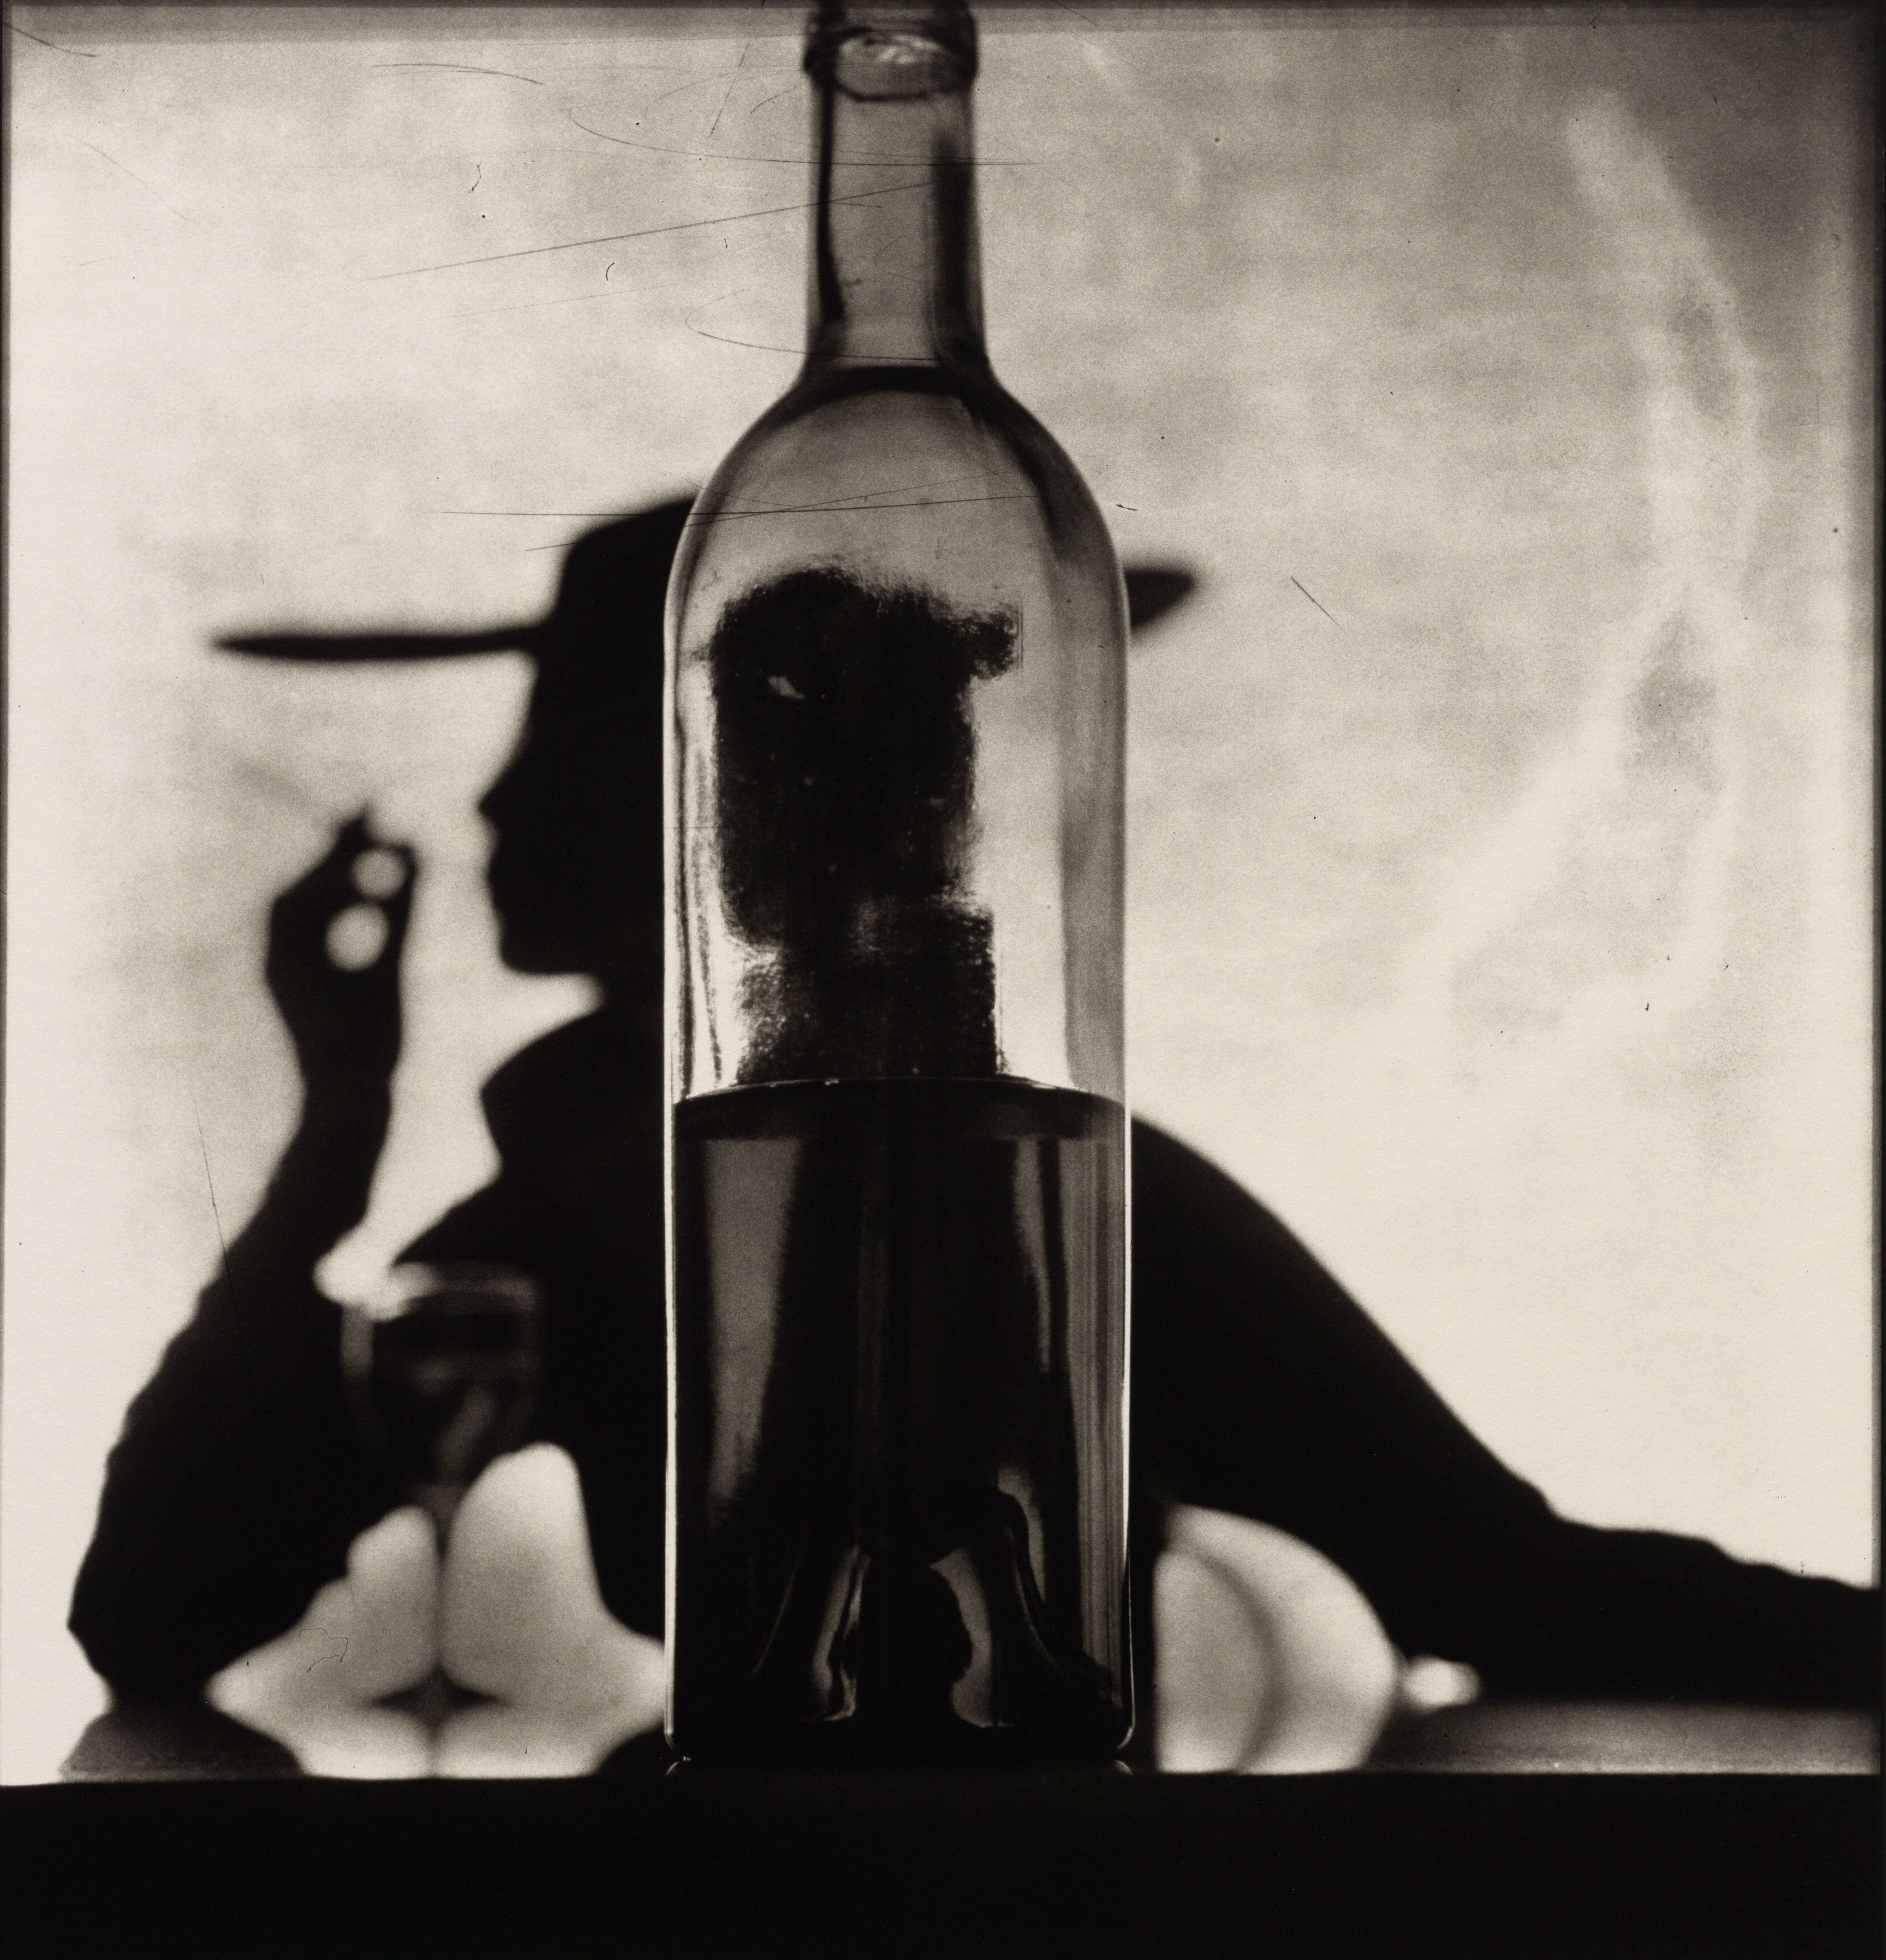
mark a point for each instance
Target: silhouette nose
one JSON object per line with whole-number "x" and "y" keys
{"x": 492, "y": 805}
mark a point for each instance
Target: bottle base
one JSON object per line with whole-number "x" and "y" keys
{"x": 977, "y": 1752}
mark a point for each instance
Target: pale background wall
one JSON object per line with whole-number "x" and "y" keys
{"x": 1502, "y": 915}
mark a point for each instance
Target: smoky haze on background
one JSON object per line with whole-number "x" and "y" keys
{"x": 1500, "y": 820}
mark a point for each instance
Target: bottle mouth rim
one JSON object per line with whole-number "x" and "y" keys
{"x": 892, "y": 53}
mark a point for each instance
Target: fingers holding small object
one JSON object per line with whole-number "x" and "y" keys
{"x": 351, "y": 837}
{"x": 356, "y": 866}
{"x": 357, "y": 937}
{"x": 380, "y": 870}
{"x": 352, "y": 840}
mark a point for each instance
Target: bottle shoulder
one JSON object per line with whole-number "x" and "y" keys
{"x": 867, "y": 437}
{"x": 961, "y": 397}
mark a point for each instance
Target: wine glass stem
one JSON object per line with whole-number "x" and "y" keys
{"x": 440, "y": 1502}
{"x": 438, "y": 1697}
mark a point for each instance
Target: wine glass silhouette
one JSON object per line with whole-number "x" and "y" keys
{"x": 441, "y": 1365}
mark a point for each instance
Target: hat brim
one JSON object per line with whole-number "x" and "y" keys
{"x": 1152, "y": 592}
{"x": 348, "y": 648}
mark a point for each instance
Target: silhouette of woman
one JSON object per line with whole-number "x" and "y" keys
{"x": 1259, "y": 1387}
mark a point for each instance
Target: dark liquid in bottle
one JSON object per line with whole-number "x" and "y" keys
{"x": 899, "y": 1316}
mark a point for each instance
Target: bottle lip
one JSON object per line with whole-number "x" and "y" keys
{"x": 892, "y": 52}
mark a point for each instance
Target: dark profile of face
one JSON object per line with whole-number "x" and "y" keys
{"x": 576, "y": 870}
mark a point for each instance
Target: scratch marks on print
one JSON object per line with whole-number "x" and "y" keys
{"x": 461, "y": 67}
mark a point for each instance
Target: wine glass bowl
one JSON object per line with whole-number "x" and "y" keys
{"x": 442, "y": 1363}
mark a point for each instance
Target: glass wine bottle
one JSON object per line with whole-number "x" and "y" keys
{"x": 898, "y": 1172}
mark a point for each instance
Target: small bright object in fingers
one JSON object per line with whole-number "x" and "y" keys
{"x": 379, "y": 873}
{"x": 357, "y": 937}
{"x": 1428, "y": 1684}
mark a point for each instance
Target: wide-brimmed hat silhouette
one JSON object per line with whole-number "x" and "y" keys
{"x": 611, "y": 593}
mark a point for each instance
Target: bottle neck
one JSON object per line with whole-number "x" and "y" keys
{"x": 896, "y": 274}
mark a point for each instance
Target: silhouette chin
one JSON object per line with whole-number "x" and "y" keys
{"x": 527, "y": 944}
{"x": 542, "y": 954}
{"x": 546, "y": 949}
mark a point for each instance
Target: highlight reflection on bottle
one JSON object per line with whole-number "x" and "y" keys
{"x": 897, "y": 1312}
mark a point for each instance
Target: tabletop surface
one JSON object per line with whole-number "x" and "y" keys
{"x": 190, "y": 1742}
{"x": 1036, "y": 1864}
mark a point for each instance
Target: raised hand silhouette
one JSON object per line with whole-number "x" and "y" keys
{"x": 332, "y": 962}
